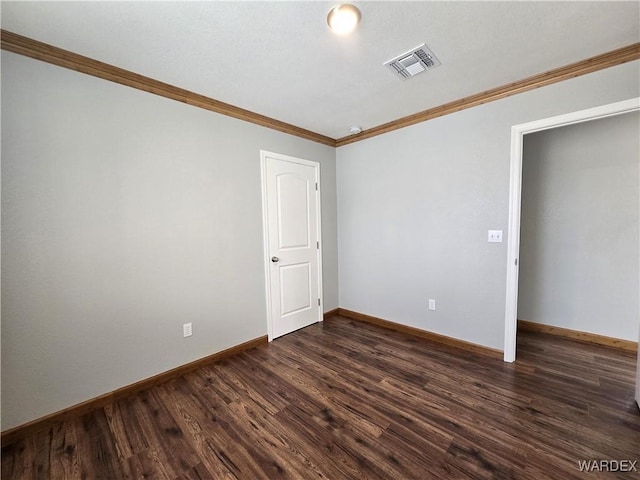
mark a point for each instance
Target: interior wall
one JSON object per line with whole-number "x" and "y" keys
{"x": 125, "y": 215}
{"x": 579, "y": 257}
{"x": 415, "y": 205}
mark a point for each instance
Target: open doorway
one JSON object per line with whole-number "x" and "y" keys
{"x": 513, "y": 247}
{"x": 579, "y": 257}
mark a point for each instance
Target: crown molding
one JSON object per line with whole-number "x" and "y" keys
{"x": 593, "y": 64}
{"x": 15, "y": 43}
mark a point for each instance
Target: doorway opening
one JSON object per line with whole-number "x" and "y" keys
{"x": 515, "y": 194}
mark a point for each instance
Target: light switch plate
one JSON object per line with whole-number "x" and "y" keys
{"x": 187, "y": 330}
{"x": 495, "y": 236}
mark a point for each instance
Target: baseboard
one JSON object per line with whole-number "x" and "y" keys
{"x": 578, "y": 335}
{"x": 434, "y": 337}
{"x": 331, "y": 313}
{"x": 22, "y": 431}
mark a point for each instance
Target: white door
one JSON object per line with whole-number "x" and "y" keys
{"x": 291, "y": 205}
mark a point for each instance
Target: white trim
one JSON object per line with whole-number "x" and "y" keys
{"x": 265, "y": 230}
{"x": 515, "y": 191}
{"x": 265, "y": 239}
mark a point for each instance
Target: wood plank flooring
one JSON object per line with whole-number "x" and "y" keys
{"x": 348, "y": 400}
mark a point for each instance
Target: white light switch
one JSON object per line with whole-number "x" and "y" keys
{"x": 187, "y": 331}
{"x": 495, "y": 236}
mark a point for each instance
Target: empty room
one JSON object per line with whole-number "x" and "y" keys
{"x": 460, "y": 295}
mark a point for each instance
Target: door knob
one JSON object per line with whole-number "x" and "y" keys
{"x": 275, "y": 259}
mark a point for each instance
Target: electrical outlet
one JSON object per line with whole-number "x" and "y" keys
{"x": 494, "y": 236}
{"x": 186, "y": 330}
{"x": 432, "y": 304}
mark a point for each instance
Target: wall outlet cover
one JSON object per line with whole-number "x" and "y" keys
{"x": 495, "y": 236}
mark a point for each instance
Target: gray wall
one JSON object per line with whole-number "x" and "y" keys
{"x": 414, "y": 207}
{"x": 125, "y": 215}
{"x": 579, "y": 227}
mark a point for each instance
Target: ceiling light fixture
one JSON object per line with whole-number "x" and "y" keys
{"x": 343, "y": 19}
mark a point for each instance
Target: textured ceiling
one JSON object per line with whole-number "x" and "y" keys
{"x": 280, "y": 59}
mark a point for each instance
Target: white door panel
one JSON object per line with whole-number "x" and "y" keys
{"x": 295, "y": 294}
{"x": 293, "y": 211}
{"x": 291, "y": 242}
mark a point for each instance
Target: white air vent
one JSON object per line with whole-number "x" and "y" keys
{"x": 413, "y": 62}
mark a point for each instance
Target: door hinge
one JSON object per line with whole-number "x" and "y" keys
{"x": 316, "y": 186}
{"x": 318, "y": 245}
{"x": 318, "y": 302}
{"x": 516, "y": 262}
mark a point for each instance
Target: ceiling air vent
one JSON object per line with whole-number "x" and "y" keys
{"x": 413, "y": 62}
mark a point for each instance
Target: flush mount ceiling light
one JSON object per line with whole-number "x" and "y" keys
{"x": 343, "y": 19}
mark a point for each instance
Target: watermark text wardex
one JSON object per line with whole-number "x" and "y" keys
{"x": 608, "y": 465}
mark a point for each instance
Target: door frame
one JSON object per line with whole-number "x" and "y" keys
{"x": 515, "y": 193}
{"x": 264, "y": 154}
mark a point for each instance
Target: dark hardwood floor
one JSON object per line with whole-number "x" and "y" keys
{"x": 348, "y": 400}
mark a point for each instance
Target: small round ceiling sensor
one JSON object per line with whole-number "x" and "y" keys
{"x": 355, "y": 130}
